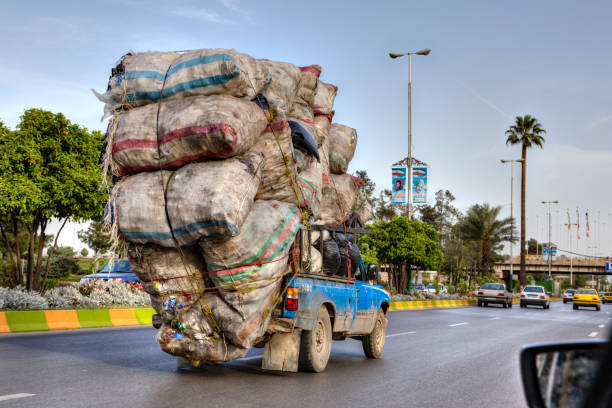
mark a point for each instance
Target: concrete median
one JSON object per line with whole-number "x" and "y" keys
{"x": 44, "y": 320}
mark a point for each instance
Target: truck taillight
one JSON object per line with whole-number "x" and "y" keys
{"x": 292, "y": 298}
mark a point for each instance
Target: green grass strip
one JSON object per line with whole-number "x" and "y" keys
{"x": 25, "y": 321}
{"x": 94, "y": 318}
{"x": 145, "y": 316}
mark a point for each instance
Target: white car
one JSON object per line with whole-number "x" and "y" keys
{"x": 535, "y": 295}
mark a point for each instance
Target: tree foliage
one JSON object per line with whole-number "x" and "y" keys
{"x": 96, "y": 237}
{"x": 48, "y": 169}
{"x": 404, "y": 243}
{"x": 481, "y": 224}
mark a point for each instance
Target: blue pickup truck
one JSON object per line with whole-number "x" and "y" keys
{"x": 317, "y": 309}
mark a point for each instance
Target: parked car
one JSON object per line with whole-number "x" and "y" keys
{"x": 494, "y": 293}
{"x": 442, "y": 289}
{"x": 587, "y": 297}
{"x": 419, "y": 287}
{"x": 121, "y": 270}
{"x": 431, "y": 289}
{"x": 568, "y": 295}
{"x": 606, "y": 297}
{"x": 535, "y": 295}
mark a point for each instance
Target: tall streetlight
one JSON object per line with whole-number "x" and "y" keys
{"x": 549, "y": 239}
{"x": 511, "y": 213}
{"x": 569, "y": 238}
{"x": 394, "y": 55}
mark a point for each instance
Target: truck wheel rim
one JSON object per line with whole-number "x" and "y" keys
{"x": 319, "y": 337}
{"x": 380, "y": 334}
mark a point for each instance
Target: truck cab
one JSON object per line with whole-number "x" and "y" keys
{"x": 319, "y": 308}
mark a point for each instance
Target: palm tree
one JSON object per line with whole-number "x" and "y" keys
{"x": 481, "y": 225}
{"x": 527, "y": 132}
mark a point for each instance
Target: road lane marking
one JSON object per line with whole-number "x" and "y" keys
{"x": 14, "y": 396}
{"x": 400, "y": 334}
{"x": 601, "y": 325}
{"x": 593, "y": 334}
{"x": 495, "y": 318}
{"x": 457, "y": 324}
{"x": 248, "y": 358}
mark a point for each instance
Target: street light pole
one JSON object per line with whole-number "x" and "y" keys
{"x": 549, "y": 238}
{"x": 394, "y": 55}
{"x": 511, "y": 215}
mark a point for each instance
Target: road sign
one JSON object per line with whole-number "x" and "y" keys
{"x": 609, "y": 267}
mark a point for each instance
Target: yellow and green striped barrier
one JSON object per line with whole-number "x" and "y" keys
{"x": 428, "y": 304}
{"x": 43, "y": 320}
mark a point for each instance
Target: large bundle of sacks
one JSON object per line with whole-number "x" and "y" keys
{"x": 217, "y": 158}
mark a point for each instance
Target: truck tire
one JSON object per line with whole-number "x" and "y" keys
{"x": 315, "y": 345}
{"x": 374, "y": 343}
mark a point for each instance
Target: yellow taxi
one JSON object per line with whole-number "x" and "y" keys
{"x": 587, "y": 297}
{"x": 606, "y": 297}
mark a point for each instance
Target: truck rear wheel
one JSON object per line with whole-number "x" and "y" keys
{"x": 315, "y": 345}
{"x": 374, "y": 343}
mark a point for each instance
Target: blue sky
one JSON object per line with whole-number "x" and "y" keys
{"x": 490, "y": 61}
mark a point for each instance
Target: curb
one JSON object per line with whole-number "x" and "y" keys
{"x": 429, "y": 304}
{"x": 45, "y": 320}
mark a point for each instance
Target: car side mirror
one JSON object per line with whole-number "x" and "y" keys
{"x": 560, "y": 375}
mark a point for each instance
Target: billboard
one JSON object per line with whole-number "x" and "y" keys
{"x": 419, "y": 184}
{"x": 608, "y": 267}
{"x": 398, "y": 190}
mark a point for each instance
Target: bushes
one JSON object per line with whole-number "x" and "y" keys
{"x": 92, "y": 294}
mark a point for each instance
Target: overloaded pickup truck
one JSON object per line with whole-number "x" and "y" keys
{"x": 494, "y": 293}
{"x": 317, "y": 309}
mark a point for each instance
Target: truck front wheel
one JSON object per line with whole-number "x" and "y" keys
{"x": 374, "y": 342}
{"x": 315, "y": 345}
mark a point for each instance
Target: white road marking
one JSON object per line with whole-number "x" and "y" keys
{"x": 457, "y": 324}
{"x": 400, "y": 334}
{"x": 601, "y": 325}
{"x": 14, "y": 396}
{"x": 593, "y": 334}
{"x": 495, "y": 318}
{"x": 248, "y": 358}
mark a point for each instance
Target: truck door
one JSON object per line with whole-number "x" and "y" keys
{"x": 364, "y": 313}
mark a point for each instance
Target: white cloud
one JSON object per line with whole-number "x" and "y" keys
{"x": 200, "y": 14}
{"x": 599, "y": 121}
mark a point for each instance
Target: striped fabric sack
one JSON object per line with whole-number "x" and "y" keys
{"x": 324, "y": 98}
{"x": 339, "y": 195}
{"x": 283, "y": 86}
{"x": 322, "y": 124}
{"x": 342, "y": 145}
{"x": 310, "y": 182}
{"x": 276, "y": 183}
{"x": 208, "y": 199}
{"x": 184, "y": 131}
{"x": 259, "y": 255}
{"x": 150, "y": 77}
{"x": 305, "y": 97}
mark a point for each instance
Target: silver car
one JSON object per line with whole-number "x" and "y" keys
{"x": 494, "y": 293}
{"x": 535, "y": 295}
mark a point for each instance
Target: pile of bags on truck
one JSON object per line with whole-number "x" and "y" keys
{"x": 217, "y": 159}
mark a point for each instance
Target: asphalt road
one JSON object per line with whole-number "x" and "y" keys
{"x": 462, "y": 357}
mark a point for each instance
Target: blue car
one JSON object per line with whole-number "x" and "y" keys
{"x": 121, "y": 270}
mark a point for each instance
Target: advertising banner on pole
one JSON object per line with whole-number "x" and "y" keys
{"x": 545, "y": 253}
{"x": 398, "y": 191}
{"x": 419, "y": 184}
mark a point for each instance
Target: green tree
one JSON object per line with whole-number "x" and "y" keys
{"x": 96, "y": 237}
{"x": 534, "y": 247}
{"x": 404, "y": 243}
{"x": 48, "y": 170}
{"x": 63, "y": 263}
{"x": 527, "y": 132}
{"x": 482, "y": 225}
{"x": 384, "y": 210}
{"x": 84, "y": 252}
